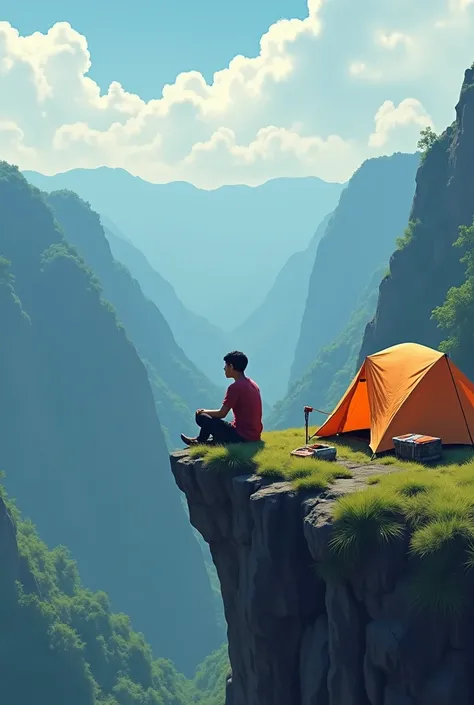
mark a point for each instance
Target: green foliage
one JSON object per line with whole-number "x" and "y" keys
{"x": 427, "y": 139}
{"x": 211, "y": 677}
{"x": 271, "y": 458}
{"x": 61, "y": 643}
{"x": 434, "y": 509}
{"x": 456, "y": 314}
{"x": 408, "y": 234}
{"x": 364, "y": 519}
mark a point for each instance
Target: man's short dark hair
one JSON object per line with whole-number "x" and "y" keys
{"x": 237, "y": 359}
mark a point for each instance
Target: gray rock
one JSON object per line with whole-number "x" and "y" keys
{"x": 450, "y": 684}
{"x": 346, "y": 647}
{"x": 297, "y": 640}
{"x": 314, "y": 663}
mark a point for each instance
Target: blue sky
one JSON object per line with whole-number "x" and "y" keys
{"x": 147, "y": 43}
{"x": 227, "y": 94}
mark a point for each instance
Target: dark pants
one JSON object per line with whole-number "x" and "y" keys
{"x": 220, "y": 430}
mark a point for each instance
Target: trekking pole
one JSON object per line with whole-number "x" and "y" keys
{"x": 307, "y": 410}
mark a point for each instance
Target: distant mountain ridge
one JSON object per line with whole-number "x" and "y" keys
{"x": 221, "y": 250}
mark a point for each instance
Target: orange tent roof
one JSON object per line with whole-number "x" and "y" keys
{"x": 407, "y": 388}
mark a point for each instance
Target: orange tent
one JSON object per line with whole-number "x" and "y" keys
{"x": 407, "y": 388}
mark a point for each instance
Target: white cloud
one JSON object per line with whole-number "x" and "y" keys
{"x": 460, "y": 5}
{"x": 306, "y": 104}
{"x": 409, "y": 113}
{"x": 393, "y": 39}
{"x": 274, "y": 151}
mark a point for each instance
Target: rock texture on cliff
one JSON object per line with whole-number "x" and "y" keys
{"x": 298, "y": 639}
{"x": 422, "y": 272}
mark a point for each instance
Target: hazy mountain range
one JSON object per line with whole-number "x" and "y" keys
{"x": 222, "y": 249}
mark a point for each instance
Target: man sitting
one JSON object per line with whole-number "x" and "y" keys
{"x": 243, "y": 397}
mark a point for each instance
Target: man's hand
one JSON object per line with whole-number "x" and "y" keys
{"x": 199, "y": 411}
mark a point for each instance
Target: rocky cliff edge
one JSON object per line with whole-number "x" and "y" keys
{"x": 297, "y": 638}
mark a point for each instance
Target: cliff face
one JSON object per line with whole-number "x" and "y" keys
{"x": 360, "y": 237}
{"x": 428, "y": 265}
{"x": 81, "y": 445}
{"x": 298, "y": 639}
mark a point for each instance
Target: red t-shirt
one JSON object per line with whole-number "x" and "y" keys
{"x": 243, "y": 397}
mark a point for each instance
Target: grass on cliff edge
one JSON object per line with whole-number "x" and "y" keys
{"x": 430, "y": 509}
{"x": 271, "y": 458}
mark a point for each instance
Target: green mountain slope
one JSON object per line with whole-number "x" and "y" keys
{"x": 61, "y": 643}
{"x": 203, "y": 343}
{"x": 235, "y": 239}
{"x": 178, "y": 386}
{"x": 81, "y": 444}
{"x": 360, "y": 237}
{"x": 326, "y": 380}
{"x": 270, "y": 333}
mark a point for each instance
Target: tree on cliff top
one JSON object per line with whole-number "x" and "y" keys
{"x": 427, "y": 139}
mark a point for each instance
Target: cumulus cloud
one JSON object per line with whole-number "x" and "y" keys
{"x": 409, "y": 113}
{"x": 349, "y": 81}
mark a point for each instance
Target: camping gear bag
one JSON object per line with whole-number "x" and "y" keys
{"x": 316, "y": 450}
{"x": 415, "y": 446}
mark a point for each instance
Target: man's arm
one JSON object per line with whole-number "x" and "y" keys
{"x": 216, "y": 413}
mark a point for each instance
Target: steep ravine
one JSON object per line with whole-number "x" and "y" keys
{"x": 296, "y": 639}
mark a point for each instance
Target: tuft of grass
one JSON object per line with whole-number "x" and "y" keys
{"x": 444, "y": 549}
{"x": 364, "y": 519}
{"x": 235, "y": 456}
{"x": 436, "y": 506}
{"x": 364, "y": 523}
